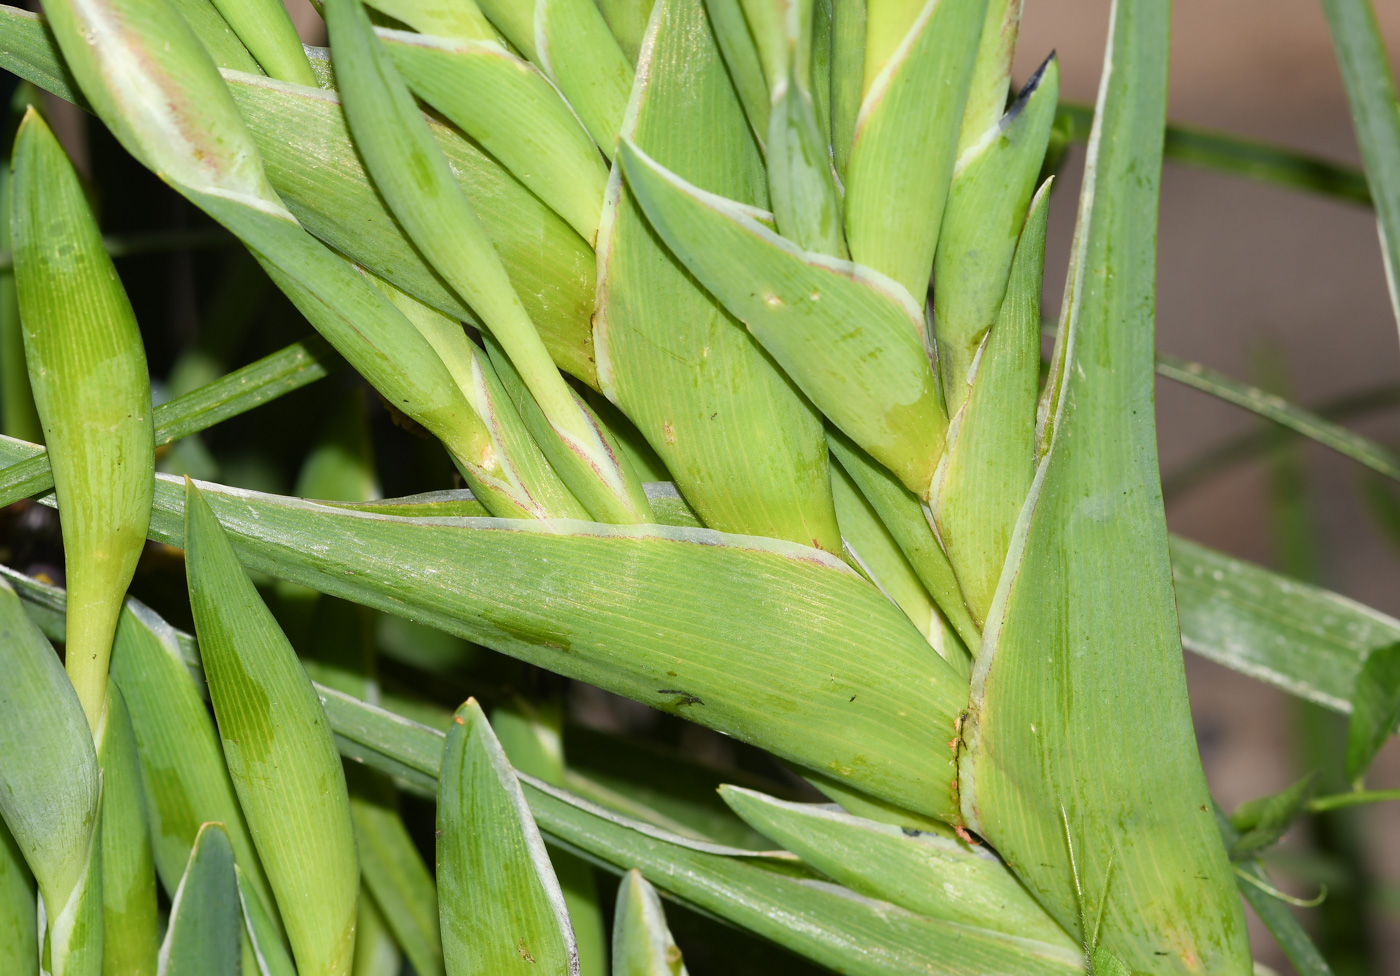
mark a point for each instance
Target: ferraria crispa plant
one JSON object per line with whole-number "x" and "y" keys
{"x": 728, "y": 313}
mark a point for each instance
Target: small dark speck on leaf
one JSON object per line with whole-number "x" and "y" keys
{"x": 686, "y": 698}
{"x": 852, "y": 698}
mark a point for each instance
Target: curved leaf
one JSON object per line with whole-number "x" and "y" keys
{"x": 642, "y": 944}
{"x": 206, "y": 926}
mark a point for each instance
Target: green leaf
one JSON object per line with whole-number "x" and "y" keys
{"x": 725, "y": 19}
{"x": 986, "y": 473}
{"x": 627, "y": 19}
{"x": 261, "y": 932}
{"x": 50, "y": 791}
{"x": 31, "y": 52}
{"x": 850, "y": 338}
{"x": 931, "y": 875}
{"x": 1375, "y": 709}
{"x": 460, "y": 19}
{"x": 217, "y": 36}
{"x": 575, "y": 48}
{"x": 1375, "y": 110}
{"x": 642, "y": 944}
{"x": 516, "y": 20}
{"x": 918, "y": 65}
{"x": 281, "y": 758}
{"x": 991, "y": 74}
{"x": 1280, "y": 920}
{"x": 414, "y": 176}
{"x": 1264, "y": 820}
{"x": 744, "y": 446}
{"x": 19, "y": 937}
{"x": 265, "y": 28}
{"x": 205, "y": 918}
{"x": 131, "y": 931}
{"x": 992, "y": 188}
{"x": 394, "y": 872}
{"x": 1104, "y": 962}
{"x": 847, "y": 77}
{"x": 88, "y": 371}
{"x": 304, "y": 141}
{"x": 376, "y": 952}
{"x": 907, "y": 523}
{"x": 514, "y": 113}
{"x": 876, "y": 554}
{"x": 808, "y": 613}
{"x": 17, "y": 411}
{"x": 501, "y": 907}
{"x": 185, "y": 781}
{"x": 1081, "y": 654}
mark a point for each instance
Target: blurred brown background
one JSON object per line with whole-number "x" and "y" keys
{"x": 1246, "y": 273}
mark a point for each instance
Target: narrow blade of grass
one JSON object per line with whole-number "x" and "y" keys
{"x": 206, "y": 924}
{"x": 131, "y": 931}
{"x": 763, "y": 470}
{"x": 1082, "y": 640}
{"x": 50, "y": 790}
{"x": 282, "y": 759}
{"x": 88, "y": 370}
{"x": 501, "y": 907}
{"x": 1375, "y": 110}
{"x": 642, "y": 944}
{"x": 874, "y": 382}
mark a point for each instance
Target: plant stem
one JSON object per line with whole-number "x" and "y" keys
{"x": 1336, "y": 801}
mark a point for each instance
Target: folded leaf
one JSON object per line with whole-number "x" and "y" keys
{"x": 206, "y": 924}
{"x": 575, "y": 48}
{"x": 744, "y": 446}
{"x": 906, "y": 136}
{"x": 931, "y": 875}
{"x": 1263, "y": 821}
{"x": 501, "y": 907}
{"x": 851, "y": 339}
{"x": 281, "y": 757}
{"x": 50, "y": 791}
{"x": 986, "y": 473}
{"x": 131, "y": 929}
{"x": 1375, "y": 710}
{"x": 514, "y": 113}
{"x": 19, "y": 938}
{"x": 986, "y": 210}
{"x": 87, "y": 367}
{"x": 642, "y": 944}
{"x": 775, "y": 609}
{"x": 1081, "y": 653}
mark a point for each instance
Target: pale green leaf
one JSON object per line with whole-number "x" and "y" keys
{"x": 376, "y": 952}
{"x": 744, "y": 446}
{"x": 217, "y": 36}
{"x": 501, "y": 907}
{"x": 906, "y": 135}
{"x": 642, "y": 944}
{"x": 87, "y": 367}
{"x": 19, "y": 936}
{"x": 986, "y": 473}
{"x": 934, "y": 876}
{"x": 1081, "y": 654}
{"x": 185, "y": 780}
{"x": 1375, "y": 709}
{"x": 991, "y": 75}
{"x": 733, "y": 39}
{"x": 458, "y": 19}
{"x": 850, "y": 338}
{"x": 515, "y": 19}
{"x": 575, "y": 48}
{"x": 987, "y": 205}
{"x": 281, "y": 757}
{"x": 627, "y": 19}
{"x": 266, "y": 30}
{"x": 1375, "y": 110}
{"x": 206, "y": 925}
{"x": 394, "y": 872}
{"x": 847, "y": 77}
{"x": 514, "y": 113}
{"x": 131, "y": 936}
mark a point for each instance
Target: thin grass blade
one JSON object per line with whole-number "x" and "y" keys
{"x": 282, "y": 759}
{"x": 642, "y": 944}
{"x": 502, "y": 910}
{"x": 206, "y": 924}
{"x": 88, "y": 370}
